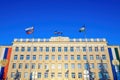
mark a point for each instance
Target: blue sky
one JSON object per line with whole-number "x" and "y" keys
{"x": 101, "y": 17}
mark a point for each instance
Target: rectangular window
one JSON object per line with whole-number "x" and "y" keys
{"x": 34, "y": 57}
{"x": 59, "y": 66}
{"x": 47, "y": 49}
{"x": 53, "y": 66}
{"x": 29, "y": 49}
{"x": 52, "y": 75}
{"x": 104, "y": 57}
{"x": 72, "y": 57}
{"x": 21, "y": 57}
{"x": 79, "y": 65}
{"x": 26, "y": 75}
{"x": 53, "y": 57}
{"x": 100, "y": 74}
{"x": 97, "y": 57}
{"x": 12, "y": 74}
{"x": 41, "y": 49}
{"x": 33, "y": 65}
{"x": 79, "y": 75}
{"x": 85, "y": 65}
{"x": 71, "y": 49}
{"x": 96, "y": 49}
{"x": 66, "y": 65}
{"x": 28, "y": 57}
{"x": 105, "y": 65}
{"x": 47, "y": 57}
{"x": 65, "y": 49}
{"x": 84, "y": 49}
{"x": 90, "y": 49}
{"x": 59, "y": 75}
{"x": 39, "y": 66}
{"x": 59, "y": 49}
{"x": 26, "y": 66}
{"x": 19, "y": 74}
{"x": 46, "y": 66}
{"x": 84, "y": 57}
{"x": 53, "y": 49}
{"x": 17, "y": 49}
{"x": 14, "y": 65}
{"x": 23, "y": 49}
{"x": 39, "y": 75}
{"x": 15, "y": 57}
{"x": 92, "y": 65}
{"x": 20, "y": 65}
{"x": 73, "y": 75}
{"x": 102, "y": 49}
{"x": 78, "y": 49}
{"x": 78, "y": 57}
{"x": 40, "y": 57}
{"x": 91, "y": 57}
{"x": 72, "y": 66}
{"x": 35, "y": 49}
{"x": 66, "y": 75}
{"x": 59, "y": 57}
{"x": 66, "y": 57}
{"x": 46, "y": 75}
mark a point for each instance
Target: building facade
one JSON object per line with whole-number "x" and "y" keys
{"x": 60, "y": 58}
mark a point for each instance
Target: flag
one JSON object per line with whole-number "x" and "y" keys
{"x": 29, "y": 30}
{"x": 82, "y": 29}
{"x": 57, "y": 33}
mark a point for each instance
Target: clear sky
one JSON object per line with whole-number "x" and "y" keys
{"x": 101, "y": 17}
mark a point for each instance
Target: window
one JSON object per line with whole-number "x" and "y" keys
{"x": 29, "y": 49}
{"x": 15, "y": 57}
{"x": 26, "y": 66}
{"x": 66, "y": 57}
{"x": 72, "y": 66}
{"x": 72, "y": 57}
{"x": 86, "y": 66}
{"x": 105, "y": 65}
{"x": 105, "y": 74}
{"x": 20, "y": 66}
{"x": 26, "y": 75}
{"x": 97, "y": 57}
{"x": 35, "y": 49}
{"x": 65, "y": 49}
{"x": 73, "y": 75}
{"x": 59, "y": 49}
{"x": 39, "y": 75}
{"x": 79, "y": 75}
{"x": 104, "y": 57}
{"x": 59, "y": 57}
{"x": 91, "y": 57}
{"x": 84, "y": 49}
{"x": 92, "y": 65}
{"x": 79, "y": 65}
{"x": 19, "y": 74}
{"x": 66, "y": 65}
{"x": 78, "y": 57}
{"x": 33, "y": 65}
{"x": 47, "y": 57}
{"x": 40, "y": 57}
{"x": 41, "y": 49}
{"x": 12, "y": 74}
{"x": 53, "y": 66}
{"x": 47, "y": 49}
{"x": 59, "y": 75}
{"x": 39, "y": 66}
{"x": 34, "y": 57}
{"x": 46, "y": 75}
{"x": 28, "y": 57}
{"x": 14, "y": 65}
{"x": 66, "y": 75}
{"x": 53, "y": 57}
{"x": 78, "y": 49}
{"x": 99, "y": 65}
{"x": 102, "y": 49}
{"x": 52, "y": 75}
{"x": 23, "y": 49}
{"x": 53, "y": 49}
{"x": 71, "y": 49}
{"x": 17, "y": 49}
{"x": 46, "y": 66}
{"x": 96, "y": 49}
{"x": 21, "y": 57}
{"x": 59, "y": 66}
{"x": 84, "y": 57}
{"x": 90, "y": 49}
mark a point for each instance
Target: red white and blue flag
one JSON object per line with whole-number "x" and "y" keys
{"x": 29, "y": 30}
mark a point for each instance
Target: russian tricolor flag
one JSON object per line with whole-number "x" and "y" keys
{"x": 29, "y": 30}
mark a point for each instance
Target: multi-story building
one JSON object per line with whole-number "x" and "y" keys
{"x": 59, "y": 58}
